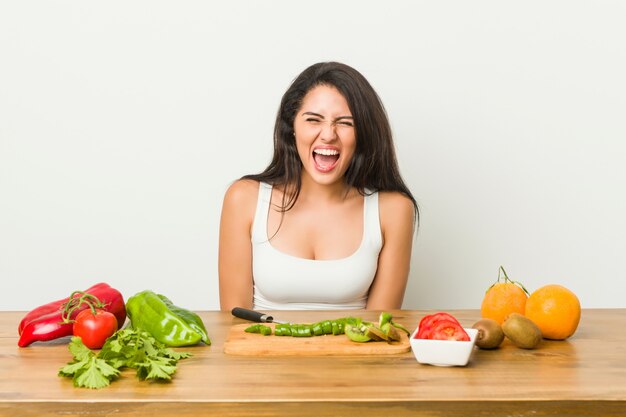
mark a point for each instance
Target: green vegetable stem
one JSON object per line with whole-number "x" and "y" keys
{"x": 169, "y": 324}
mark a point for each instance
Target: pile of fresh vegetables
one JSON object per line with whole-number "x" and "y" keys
{"x": 95, "y": 317}
{"x": 56, "y": 319}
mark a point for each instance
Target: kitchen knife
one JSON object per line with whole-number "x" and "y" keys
{"x": 256, "y": 316}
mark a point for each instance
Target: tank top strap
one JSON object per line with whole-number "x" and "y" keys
{"x": 371, "y": 219}
{"x": 259, "y": 227}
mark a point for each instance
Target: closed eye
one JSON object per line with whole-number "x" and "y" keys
{"x": 312, "y": 117}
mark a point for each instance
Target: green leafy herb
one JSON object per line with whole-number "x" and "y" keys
{"x": 128, "y": 348}
{"x": 87, "y": 370}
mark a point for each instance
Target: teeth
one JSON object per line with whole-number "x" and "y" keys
{"x": 326, "y": 151}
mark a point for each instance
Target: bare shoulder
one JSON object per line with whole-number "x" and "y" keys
{"x": 240, "y": 198}
{"x": 393, "y": 203}
{"x": 396, "y": 211}
{"x": 242, "y": 192}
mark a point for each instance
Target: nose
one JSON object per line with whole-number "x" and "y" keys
{"x": 328, "y": 132}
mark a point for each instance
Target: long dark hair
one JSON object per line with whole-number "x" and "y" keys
{"x": 374, "y": 165}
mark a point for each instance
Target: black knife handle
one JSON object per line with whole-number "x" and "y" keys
{"x": 244, "y": 313}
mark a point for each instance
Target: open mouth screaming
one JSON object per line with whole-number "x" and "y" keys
{"x": 325, "y": 159}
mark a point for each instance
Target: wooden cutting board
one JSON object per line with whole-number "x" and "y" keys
{"x": 238, "y": 342}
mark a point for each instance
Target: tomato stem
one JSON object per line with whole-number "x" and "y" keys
{"x": 77, "y": 299}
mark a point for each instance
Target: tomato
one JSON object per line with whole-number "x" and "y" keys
{"x": 94, "y": 329}
{"x": 441, "y": 326}
{"x": 448, "y": 330}
{"x": 426, "y": 324}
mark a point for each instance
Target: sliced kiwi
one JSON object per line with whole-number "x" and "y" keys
{"x": 357, "y": 333}
{"x": 391, "y": 332}
{"x": 376, "y": 334}
{"x": 490, "y": 334}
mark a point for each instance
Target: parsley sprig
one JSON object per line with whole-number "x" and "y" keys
{"x": 130, "y": 348}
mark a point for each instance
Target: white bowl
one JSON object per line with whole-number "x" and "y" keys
{"x": 443, "y": 352}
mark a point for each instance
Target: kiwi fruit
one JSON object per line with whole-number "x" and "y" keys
{"x": 391, "y": 331}
{"x": 357, "y": 333}
{"x": 375, "y": 333}
{"x": 490, "y": 334}
{"x": 522, "y": 331}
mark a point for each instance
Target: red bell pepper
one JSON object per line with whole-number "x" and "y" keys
{"x": 54, "y": 306}
{"x": 51, "y": 321}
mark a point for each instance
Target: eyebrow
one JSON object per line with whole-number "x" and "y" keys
{"x": 310, "y": 113}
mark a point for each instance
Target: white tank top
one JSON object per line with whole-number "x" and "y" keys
{"x": 286, "y": 282}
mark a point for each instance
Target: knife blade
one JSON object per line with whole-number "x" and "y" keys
{"x": 256, "y": 316}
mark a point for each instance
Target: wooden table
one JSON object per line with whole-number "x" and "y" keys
{"x": 585, "y": 375}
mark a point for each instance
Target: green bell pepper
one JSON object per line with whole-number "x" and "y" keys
{"x": 169, "y": 324}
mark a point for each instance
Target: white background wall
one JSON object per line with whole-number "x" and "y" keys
{"x": 123, "y": 122}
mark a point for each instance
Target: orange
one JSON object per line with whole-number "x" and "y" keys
{"x": 555, "y": 310}
{"x": 503, "y": 298}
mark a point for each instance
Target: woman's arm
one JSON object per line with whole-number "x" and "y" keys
{"x": 397, "y": 217}
{"x": 235, "y": 247}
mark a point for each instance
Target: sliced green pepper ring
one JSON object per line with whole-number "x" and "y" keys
{"x": 302, "y": 330}
{"x": 282, "y": 330}
{"x": 259, "y": 328}
{"x": 327, "y": 327}
{"x": 252, "y": 329}
{"x": 317, "y": 329}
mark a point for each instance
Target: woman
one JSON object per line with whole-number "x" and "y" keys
{"x": 329, "y": 223}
